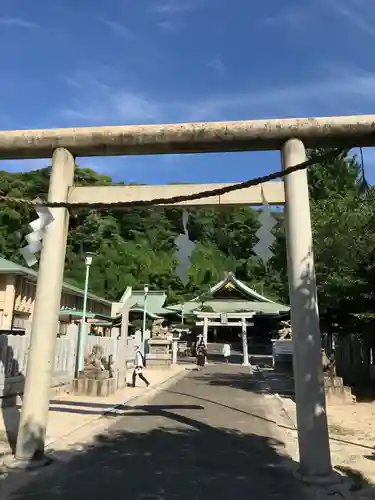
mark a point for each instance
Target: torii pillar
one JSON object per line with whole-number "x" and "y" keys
{"x": 40, "y": 364}
{"x": 313, "y": 437}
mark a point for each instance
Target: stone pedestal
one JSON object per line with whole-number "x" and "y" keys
{"x": 159, "y": 355}
{"x": 336, "y": 392}
{"x": 94, "y": 387}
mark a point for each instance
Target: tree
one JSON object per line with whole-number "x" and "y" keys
{"x": 339, "y": 177}
{"x": 136, "y": 246}
{"x": 344, "y": 238}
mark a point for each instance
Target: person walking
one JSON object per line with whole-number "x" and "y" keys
{"x": 139, "y": 364}
{"x": 226, "y": 352}
{"x": 201, "y": 354}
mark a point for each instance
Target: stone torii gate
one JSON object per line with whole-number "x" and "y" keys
{"x": 290, "y": 136}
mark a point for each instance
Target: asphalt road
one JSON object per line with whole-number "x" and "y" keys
{"x": 210, "y": 436}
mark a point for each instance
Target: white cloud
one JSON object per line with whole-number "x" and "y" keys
{"x": 292, "y": 17}
{"x": 171, "y": 13}
{"x": 133, "y": 106}
{"x": 118, "y": 29}
{"x": 339, "y": 90}
{"x": 169, "y": 25}
{"x": 97, "y": 102}
{"x": 174, "y": 6}
{"x": 89, "y": 82}
{"x": 358, "y": 13}
{"x": 74, "y": 114}
{"x": 217, "y": 66}
{"x": 16, "y": 22}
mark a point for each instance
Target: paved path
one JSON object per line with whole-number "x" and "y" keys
{"x": 207, "y": 437}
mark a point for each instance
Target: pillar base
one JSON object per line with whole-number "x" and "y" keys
{"x": 331, "y": 479}
{"x": 249, "y": 366}
{"x": 329, "y": 486}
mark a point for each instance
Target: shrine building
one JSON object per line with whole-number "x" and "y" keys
{"x": 229, "y": 307}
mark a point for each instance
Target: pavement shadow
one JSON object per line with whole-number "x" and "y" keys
{"x": 180, "y": 458}
{"x": 98, "y": 409}
{"x": 257, "y": 382}
{"x": 234, "y": 358}
{"x": 11, "y": 388}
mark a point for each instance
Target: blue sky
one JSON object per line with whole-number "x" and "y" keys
{"x": 90, "y": 62}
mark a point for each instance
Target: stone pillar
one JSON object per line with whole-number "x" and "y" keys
{"x": 10, "y": 299}
{"x": 123, "y": 340}
{"x": 205, "y": 330}
{"x": 314, "y": 451}
{"x": 34, "y": 414}
{"x": 245, "y": 349}
{"x": 124, "y": 328}
{"x": 174, "y": 351}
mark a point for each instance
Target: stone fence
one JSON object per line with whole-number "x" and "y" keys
{"x": 14, "y": 351}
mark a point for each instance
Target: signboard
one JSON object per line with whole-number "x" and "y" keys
{"x": 223, "y": 318}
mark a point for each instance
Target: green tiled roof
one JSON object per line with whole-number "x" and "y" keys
{"x": 76, "y": 314}
{"x": 7, "y": 266}
{"x": 79, "y": 314}
{"x": 137, "y": 309}
{"x": 155, "y": 300}
{"x": 226, "y": 306}
{"x": 256, "y": 302}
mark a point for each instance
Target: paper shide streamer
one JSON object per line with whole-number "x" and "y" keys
{"x": 35, "y": 238}
{"x": 185, "y": 249}
{"x": 264, "y": 234}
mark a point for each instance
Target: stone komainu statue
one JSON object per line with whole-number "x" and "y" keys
{"x": 97, "y": 366}
{"x": 285, "y": 330}
{"x": 329, "y": 364}
{"x": 158, "y": 330}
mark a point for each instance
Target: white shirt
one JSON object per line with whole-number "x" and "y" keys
{"x": 226, "y": 350}
{"x": 138, "y": 359}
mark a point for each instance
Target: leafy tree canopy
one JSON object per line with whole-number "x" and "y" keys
{"x": 136, "y": 246}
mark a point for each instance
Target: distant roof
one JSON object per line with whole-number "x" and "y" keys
{"x": 261, "y": 304}
{"x": 9, "y": 267}
{"x": 135, "y": 300}
{"x": 226, "y": 306}
{"x": 79, "y": 314}
{"x": 155, "y": 300}
{"x": 137, "y": 309}
{"x": 231, "y": 278}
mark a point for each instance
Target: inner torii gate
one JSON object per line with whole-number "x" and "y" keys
{"x": 290, "y": 136}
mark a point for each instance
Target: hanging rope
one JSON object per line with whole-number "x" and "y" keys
{"x": 313, "y": 161}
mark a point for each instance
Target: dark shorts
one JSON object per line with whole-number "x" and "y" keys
{"x": 201, "y": 359}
